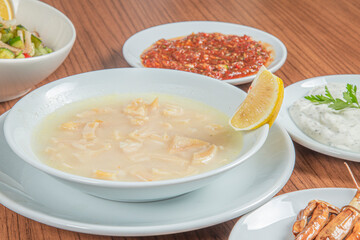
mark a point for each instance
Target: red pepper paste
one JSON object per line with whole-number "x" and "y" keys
{"x": 212, "y": 54}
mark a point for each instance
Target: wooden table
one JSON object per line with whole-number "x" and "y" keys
{"x": 322, "y": 38}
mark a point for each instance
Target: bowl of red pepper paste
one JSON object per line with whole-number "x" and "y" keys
{"x": 215, "y": 55}
{"x": 229, "y": 52}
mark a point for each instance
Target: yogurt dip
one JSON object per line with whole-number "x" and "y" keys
{"x": 335, "y": 128}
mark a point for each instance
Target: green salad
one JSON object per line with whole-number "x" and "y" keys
{"x": 18, "y": 42}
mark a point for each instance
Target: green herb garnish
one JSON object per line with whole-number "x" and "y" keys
{"x": 337, "y": 103}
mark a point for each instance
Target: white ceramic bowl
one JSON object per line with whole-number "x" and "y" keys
{"x": 32, "y": 108}
{"x": 18, "y": 76}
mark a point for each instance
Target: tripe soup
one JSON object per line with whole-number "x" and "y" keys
{"x": 126, "y": 138}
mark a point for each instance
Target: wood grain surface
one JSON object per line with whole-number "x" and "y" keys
{"x": 322, "y": 38}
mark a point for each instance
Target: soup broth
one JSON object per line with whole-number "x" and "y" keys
{"x": 124, "y": 138}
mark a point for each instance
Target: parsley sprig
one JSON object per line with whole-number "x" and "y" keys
{"x": 350, "y": 99}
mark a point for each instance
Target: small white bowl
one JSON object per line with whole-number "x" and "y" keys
{"x": 18, "y": 76}
{"x": 31, "y": 109}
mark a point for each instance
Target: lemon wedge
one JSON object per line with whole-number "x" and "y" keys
{"x": 6, "y": 10}
{"x": 262, "y": 104}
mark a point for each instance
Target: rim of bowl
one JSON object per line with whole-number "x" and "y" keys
{"x": 54, "y": 53}
{"x": 37, "y": 163}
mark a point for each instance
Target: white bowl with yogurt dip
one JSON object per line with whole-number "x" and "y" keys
{"x": 332, "y": 132}
{"x": 25, "y": 116}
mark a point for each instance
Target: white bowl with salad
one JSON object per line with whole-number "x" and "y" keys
{"x": 32, "y": 46}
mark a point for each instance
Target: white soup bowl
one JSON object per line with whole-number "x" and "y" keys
{"x": 26, "y": 115}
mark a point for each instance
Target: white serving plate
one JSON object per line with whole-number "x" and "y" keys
{"x": 36, "y": 195}
{"x": 274, "y": 220}
{"x": 136, "y": 44}
{"x": 301, "y": 89}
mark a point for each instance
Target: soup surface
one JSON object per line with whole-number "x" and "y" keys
{"x": 124, "y": 138}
